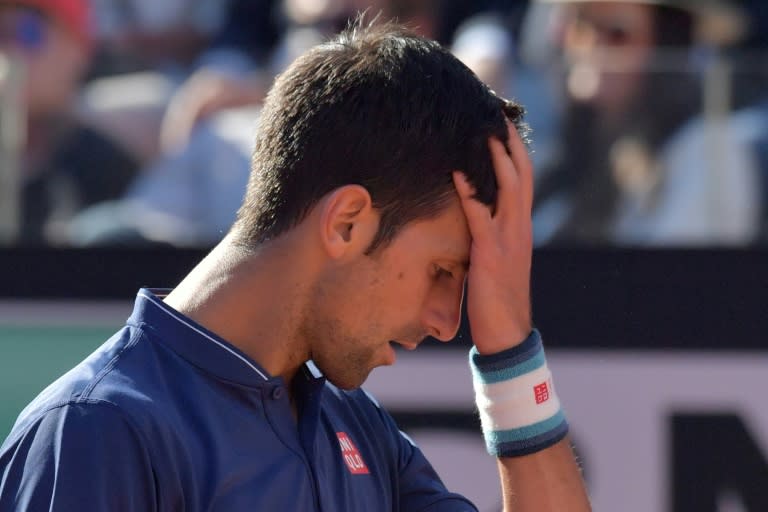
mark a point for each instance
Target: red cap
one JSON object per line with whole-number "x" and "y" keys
{"x": 74, "y": 15}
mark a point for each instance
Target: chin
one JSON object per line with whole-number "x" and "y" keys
{"x": 346, "y": 371}
{"x": 346, "y": 382}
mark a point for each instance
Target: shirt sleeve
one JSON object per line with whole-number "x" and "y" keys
{"x": 79, "y": 456}
{"x": 421, "y": 489}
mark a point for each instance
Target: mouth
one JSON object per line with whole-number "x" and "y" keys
{"x": 407, "y": 345}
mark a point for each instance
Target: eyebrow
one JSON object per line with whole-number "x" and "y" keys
{"x": 455, "y": 257}
{"x": 460, "y": 262}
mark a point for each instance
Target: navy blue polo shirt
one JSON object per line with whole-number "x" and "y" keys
{"x": 168, "y": 416}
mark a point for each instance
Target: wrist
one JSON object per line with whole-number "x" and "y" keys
{"x": 503, "y": 338}
{"x": 519, "y": 410}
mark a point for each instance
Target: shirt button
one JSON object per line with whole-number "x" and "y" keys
{"x": 277, "y": 393}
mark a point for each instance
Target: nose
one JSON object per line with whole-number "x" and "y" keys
{"x": 442, "y": 312}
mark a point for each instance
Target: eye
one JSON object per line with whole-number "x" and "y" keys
{"x": 441, "y": 272}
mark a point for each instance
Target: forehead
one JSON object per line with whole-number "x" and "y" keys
{"x": 445, "y": 235}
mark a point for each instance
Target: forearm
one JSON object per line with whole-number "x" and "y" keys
{"x": 524, "y": 426}
{"x": 549, "y": 480}
{"x": 523, "y": 423}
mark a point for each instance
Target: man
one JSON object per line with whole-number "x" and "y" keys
{"x": 375, "y": 194}
{"x": 65, "y": 164}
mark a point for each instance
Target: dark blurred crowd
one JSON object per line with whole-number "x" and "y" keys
{"x": 130, "y": 122}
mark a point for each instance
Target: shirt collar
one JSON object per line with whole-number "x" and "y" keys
{"x": 199, "y": 346}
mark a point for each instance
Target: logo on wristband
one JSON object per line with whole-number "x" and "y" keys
{"x": 541, "y": 392}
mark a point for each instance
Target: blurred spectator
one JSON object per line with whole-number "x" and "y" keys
{"x": 166, "y": 35}
{"x": 491, "y": 44}
{"x": 144, "y": 50}
{"x": 190, "y": 194}
{"x": 748, "y": 59}
{"x": 237, "y": 72}
{"x": 185, "y": 199}
{"x": 636, "y": 166}
{"x": 232, "y": 73}
{"x": 486, "y": 45}
{"x": 65, "y": 165}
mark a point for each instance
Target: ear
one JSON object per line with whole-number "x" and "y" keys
{"x": 348, "y": 221}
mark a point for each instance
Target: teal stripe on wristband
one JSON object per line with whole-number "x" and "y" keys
{"x": 529, "y": 445}
{"x": 527, "y": 432}
{"x": 537, "y": 361}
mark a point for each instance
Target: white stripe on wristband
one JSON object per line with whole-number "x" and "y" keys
{"x": 519, "y": 410}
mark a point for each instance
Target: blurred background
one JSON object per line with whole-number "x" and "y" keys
{"x": 126, "y": 131}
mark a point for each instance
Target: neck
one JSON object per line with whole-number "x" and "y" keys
{"x": 253, "y": 299}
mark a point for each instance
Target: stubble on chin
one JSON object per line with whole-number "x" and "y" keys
{"x": 346, "y": 370}
{"x": 343, "y": 360}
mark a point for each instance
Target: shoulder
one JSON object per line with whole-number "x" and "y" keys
{"x": 76, "y": 437}
{"x": 44, "y": 465}
{"x": 77, "y": 422}
{"x": 112, "y": 413}
{"x": 105, "y": 386}
{"x": 734, "y": 133}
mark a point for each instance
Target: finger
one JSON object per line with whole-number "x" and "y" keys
{"x": 503, "y": 166}
{"x": 523, "y": 165}
{"x": 478, "y": 214}
{"x": 506, "y": 179}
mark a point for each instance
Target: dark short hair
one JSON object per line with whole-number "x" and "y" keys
{"x": 380, "y": 107}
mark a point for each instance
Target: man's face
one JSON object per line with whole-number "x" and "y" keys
{"x": 612, "y": 44}
{"x": 404, "y": 292}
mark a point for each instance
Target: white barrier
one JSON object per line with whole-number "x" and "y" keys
{"x": 624, "y": 409}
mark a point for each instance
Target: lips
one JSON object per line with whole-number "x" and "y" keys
{"x": 407, "y": 345}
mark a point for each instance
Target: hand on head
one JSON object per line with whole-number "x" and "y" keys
{"x": 498, "y": 298}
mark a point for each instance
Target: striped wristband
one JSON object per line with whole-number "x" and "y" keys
{"x": 519, "y": 410}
